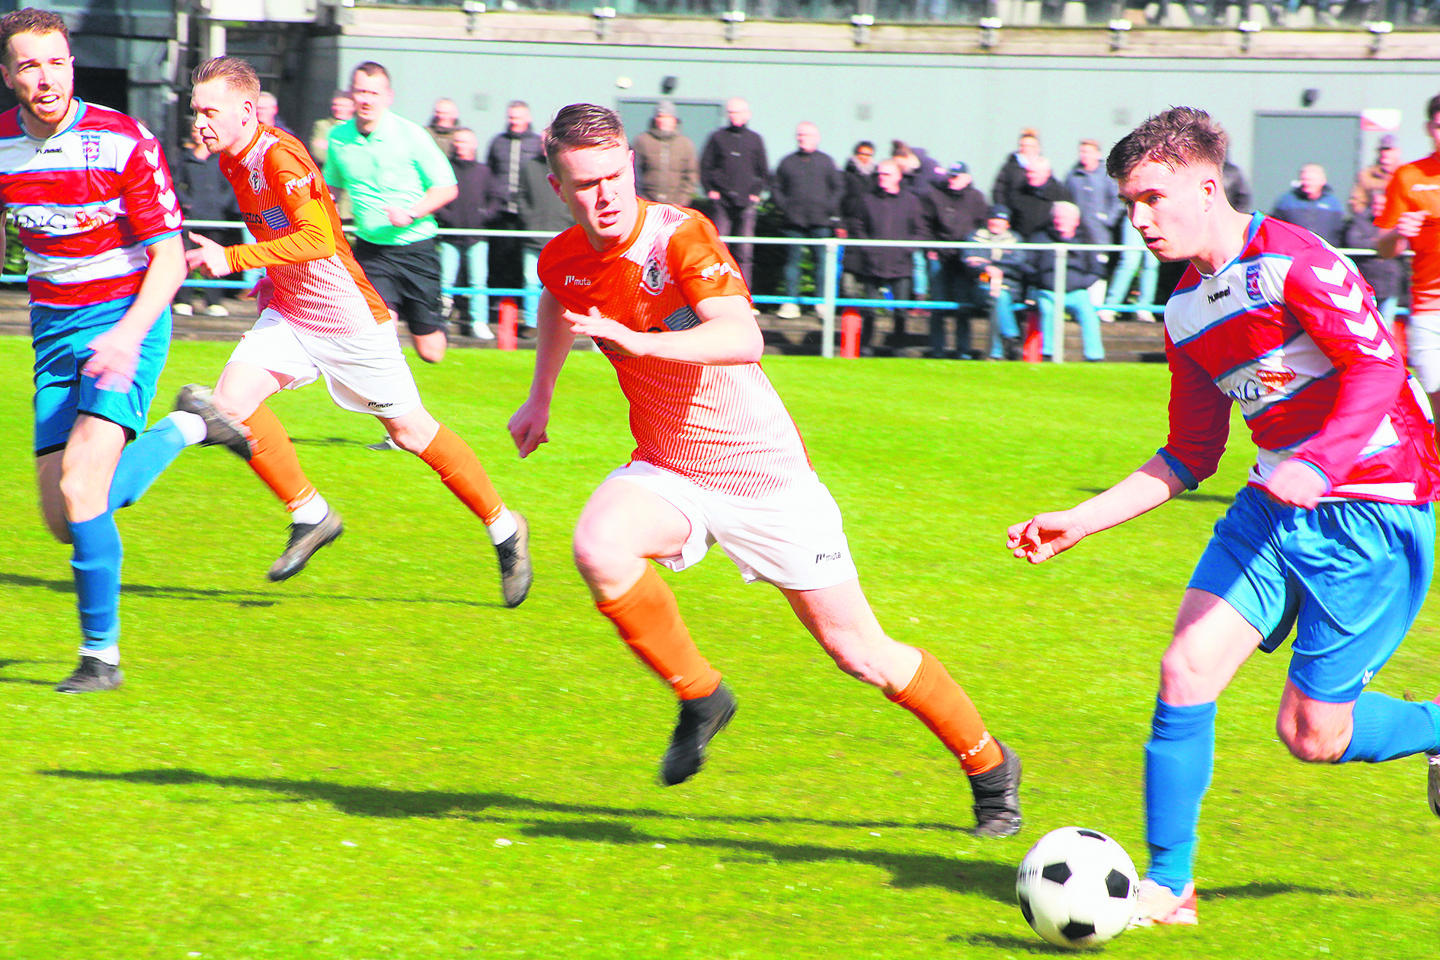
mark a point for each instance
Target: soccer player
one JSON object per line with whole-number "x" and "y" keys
{"x": 1334, "y": 534}
{"x": 718, "y": 460}
{"x": 319, "y": 317}
{"x": 90, "y": 193}
{"x": 1409, "y": 221}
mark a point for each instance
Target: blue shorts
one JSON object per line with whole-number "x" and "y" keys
{"x": 62, "y": 347}
{"x": 1350, "y": 576}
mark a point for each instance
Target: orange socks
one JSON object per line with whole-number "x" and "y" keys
{"x": 273, "y": 459}
{"x": 460, "y": 470}
{"x": 942, "y": 705}
{"x": 649, "y": 621}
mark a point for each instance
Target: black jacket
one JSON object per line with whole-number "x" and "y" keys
{"x": 506, "y": 158}
{"x": 204, "y": 192}
{"x": 885, "y": 216}
{"x": 540, "y": 208}
{"x": 857, "y": 184}
{"x": 1030, "y": 206}
{"x": 1082, "y": 267}
{"x": 1384, "y": 276}
{"x": 733, "y": 165}
{"x": 952, "y": 215}
{"x": 475, "y": 205}
{"x": 808, "y": 190}
{"x": 1010, "y": 179}
{"x": 1237, "y": 191}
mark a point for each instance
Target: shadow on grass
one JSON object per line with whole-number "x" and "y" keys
{"x": 241, "y": 598}
{"x": 33, "y": 683}
{"x": 1258, "y": 890}
{"x": 330, "y": 441}
{"x": 992, "y": 879}
{"x": 1007, "y": 942}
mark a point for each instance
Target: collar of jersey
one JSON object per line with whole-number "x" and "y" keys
{"x": 79, "y": 115}
{"x": 381, "y": 126}
{"x": 259, "y": 129}
{"x": 1254, "y": 228}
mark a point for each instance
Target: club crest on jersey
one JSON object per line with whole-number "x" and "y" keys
{"x": 257, "y": 181}
{"x": 1252, "y": 281}
{"x": 90, "y": 146}
{"x": 652, "y": 278}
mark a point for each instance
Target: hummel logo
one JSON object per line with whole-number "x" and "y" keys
{"x": 822, "y": 557}
{"x": 573, "y": 281}
{"x": 1216, "y": 296}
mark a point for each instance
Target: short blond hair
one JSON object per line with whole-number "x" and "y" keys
{"x": 237, "y": 74}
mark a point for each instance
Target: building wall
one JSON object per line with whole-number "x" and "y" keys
{"x": 966, "y": 107}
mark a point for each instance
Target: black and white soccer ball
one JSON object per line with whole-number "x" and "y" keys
{"x": 1077, "y": 887}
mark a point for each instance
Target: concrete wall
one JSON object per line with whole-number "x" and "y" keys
{"x": 957, "y": 107}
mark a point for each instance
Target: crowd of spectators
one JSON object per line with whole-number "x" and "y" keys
{"x": 905, "y": 196}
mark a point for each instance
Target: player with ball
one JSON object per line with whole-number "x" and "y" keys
{"x": 1334, "y": 534}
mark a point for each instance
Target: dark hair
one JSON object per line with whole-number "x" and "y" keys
{"x": 864, "y": 143}
{"x": 29, "y": 20}
{"x": 237, "y": 74}
{"x": 583, "y": 125}
{"x": 1179, "y": 137}
{"x": 371, "y": 69}
{"x": 1431, "y": 108}
{"x": 517, "y": 103}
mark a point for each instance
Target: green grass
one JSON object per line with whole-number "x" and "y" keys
{"x": 324, "y": 768}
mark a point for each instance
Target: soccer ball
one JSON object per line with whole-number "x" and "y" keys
{"x": 1077, "y": 887}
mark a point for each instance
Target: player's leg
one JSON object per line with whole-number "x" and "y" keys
{"x": 1422, "y": 332}
{"x": 460, "y": 470}
{"x": 419, "y": 284}
{"x": 628, "y": 521}
{"x": 840, "y": 618}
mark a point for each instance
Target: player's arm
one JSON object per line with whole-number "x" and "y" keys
{"x": 116, "y": 352}
{"x": 553, "y": 339}
{"x": 1399, "y": 223}
{"x": 727, "y": 334}
{"x": 438, "y": 176}
{"x": 1199, "y": 426}
{"x": 314, "y": 240}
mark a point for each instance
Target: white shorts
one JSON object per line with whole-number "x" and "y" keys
{"x": 1422, "y": 335}
{"x": 365, "y": 372}
{"x": 794, "y": 539}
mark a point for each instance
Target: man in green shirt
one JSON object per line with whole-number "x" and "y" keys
{"x": 396, "y": 178}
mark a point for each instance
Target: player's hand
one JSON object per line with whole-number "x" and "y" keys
{"x": 527, "y": 427}
{"x": 620, "y": 337}
{"x": 1296, "y": 484}
{"x": 116, "y": 355}
{"x": 207, "y": 256}
{"x": 1409, "y": 224}
{"x": 399, "y": 216}
{"x": 714, "y": 194}
{"x": 1044, "y": 536}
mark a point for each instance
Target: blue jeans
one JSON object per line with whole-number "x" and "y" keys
{"x": 920, "y": 274}
{"x": 792, "y": 260}
{"x": 1131, "y": 261}
{"x": 530, "y": 262}
{"x": 1002, "y": 324}
{"x": 1078, "y": 303}
{"x": 477, "y": 273}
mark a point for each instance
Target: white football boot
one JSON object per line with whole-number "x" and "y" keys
{"x": 1157, "y": 905}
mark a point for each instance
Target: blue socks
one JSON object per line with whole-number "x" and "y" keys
{"x": 1386, "y": 728}
{"x": 1178, "y": 762}
{"x": 97, "y": 550}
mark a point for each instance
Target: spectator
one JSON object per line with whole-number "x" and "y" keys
{"x": 204, "y": 194}
{"x": 1312, "y": 205}
{"x": 1131, "y": 262}
{"x": 1097, "y": 196}
{"x": 267, "y": 111}
{"x": 859, "y": 175}
{"x": 540, "y": 209}
{"x": 472, "y": 209}
{"x": 1001, "y": 271}
{"x": 808, "y": 192}
{"x": 1030, "y": 203}
{"x": 1082, "y": 268}
{"x": 954, "y": 212}
{"x": 733, "y": 171}
{"x": 342, "y": 108}
{"x": 887, "y": 212}
{"x": 444, "y": 121}
{"x": 1386, "y": 277}
{"x": 1375, "y": 177}
{"x": 666, "y": 168}
{"x": 394, "y": 212}
{"x": 506, "y": 158}
{"x": 920, "y": 171}
{"x": 1012, "y": 174}
{"x": 1237, "y": 189}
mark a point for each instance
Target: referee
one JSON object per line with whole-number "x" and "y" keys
{"x": 397, "y": 178}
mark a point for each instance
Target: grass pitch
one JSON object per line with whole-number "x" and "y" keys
{"x": 376, "y": 759}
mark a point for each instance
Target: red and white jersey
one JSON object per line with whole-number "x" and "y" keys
{"x": 87, "y": 203}
{"x": 723, "y": 427}
{"x": 1289, "y": 330}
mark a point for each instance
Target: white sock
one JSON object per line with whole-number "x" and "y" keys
{"x": 311, "y": 511}
{"x": 503, "y": 528}
{"x": 190, "y": 425}
{"x": 110, "y": 654}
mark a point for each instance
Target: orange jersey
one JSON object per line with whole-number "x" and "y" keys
{"x": 311, "y": 277}
{"x": 1416, "y": 186}
{"x": 723, "y": 427}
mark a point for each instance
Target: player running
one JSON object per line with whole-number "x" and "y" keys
{"x": 718, "y": 460}
{"x": 90, "y": 193}
{"x": 319, "y": 317}
{"x": 1411, "y": 220}
{"x": 1333, "y": 535}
